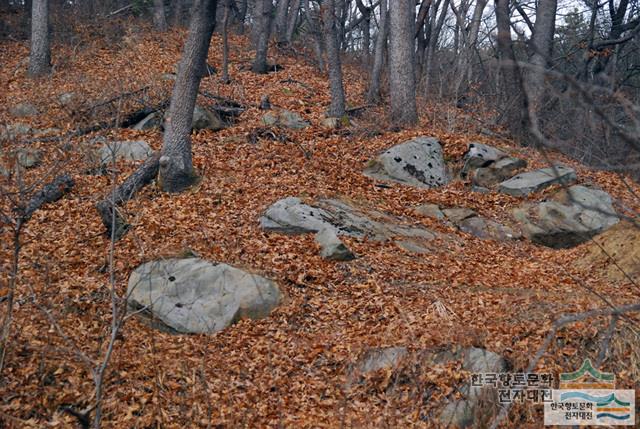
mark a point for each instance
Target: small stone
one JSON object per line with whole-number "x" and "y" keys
{"x": 458, "y": 214}
{"x": 332, "y": 248}
{"x": 66, "y": 98}
{"x": 429, "y": 210}
{"x": 265, "y": 103}
{"x": 23, "y": 110}
{"x": 28, "y": 158}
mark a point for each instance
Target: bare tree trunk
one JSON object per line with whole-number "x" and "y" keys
{"x": 178, "y": 12}
{"x": 176, "y": 165}
{"x": 225, "y": 42}
{"x": 159, "y": 18}
{"x": 315, "y": 33}
{"x": 470, "y": 40}
{"x": 436, "y": 25}
{"x": 402, "y": 83}
{"x": 263, "y": 16}
{"x": 241, "y": 15}
{"x": 542, "y": 44}
{"x": 514, "y": 103}
{"x": 40, "y": 55}
{"x": 294, "y": 13}
{"x": 281, "y": 21}
{"x": 373, "y": 93}
{"x": 336, "y": 109}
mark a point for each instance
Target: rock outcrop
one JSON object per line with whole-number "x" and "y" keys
{"x": 196, "y": 296}
{"x": 533, "y": 181}
{"x": 417, "y": 162}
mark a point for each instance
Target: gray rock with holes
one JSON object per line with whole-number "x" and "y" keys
{"x": 525, "y": 183}
{"x": 417, "y": 162}
{"x": 196, "y": 296}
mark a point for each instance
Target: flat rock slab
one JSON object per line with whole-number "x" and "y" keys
{"x": 487, "y": 229}
{"x": 417, "y": 162}
{"x": 497, "y": 172}
{"x": 568, "y": 218}
{"x": 525, "y": 183}
{"x": 136, "y": 150}
{"x": 292, "y": 216}
{"x": 196, "y": 296}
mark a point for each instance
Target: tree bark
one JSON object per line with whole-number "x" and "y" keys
{"x": 294, "y": 13}
{"x": 514, "y": 102}
{"x": 281, "y": 21}
{"x": 225, "y": 42}
{"x": 336, "y": 109}
{"x": 542, "y": 44}
{"x": 373, "y": 93}
{"x": 40, "y": 55}
{"x": 470, "y": 40}
{"x": 263, "y": 15}
{"x": 315, "y": 33}
{"x": 159, "y": 17}
{"x": 176, "y": 164}
{"x": 402, "y": 84}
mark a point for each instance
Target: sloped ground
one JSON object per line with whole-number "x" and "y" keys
{"x": 291, "y": 369}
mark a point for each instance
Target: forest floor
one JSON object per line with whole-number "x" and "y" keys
{"x": 291, "y": 369}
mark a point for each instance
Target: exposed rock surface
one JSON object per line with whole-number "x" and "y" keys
{"x": 332, "y": 248}
{"x": 487, "y": 229}
{"x": 418, "y": 162}
{"x": 205, "y": 119}
{"x": 28, "y": 157}
{"x": 497, "y": 172}
{"x": 292, "y": 216}
{"x": 135, "y": 150}
{"x": 480, "y": 155}
{"x": 430, "y": 210}
{"x": 196, "y": 296}
{"x": 22, "y": 110}
{"x": 458, "y": 214}
{"x": 149, "y": 122}
{"x": 285, "y": 118}
{"x": 525, "y": 183}
{"x": 568, "y": 218}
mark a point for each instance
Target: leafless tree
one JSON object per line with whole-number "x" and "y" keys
{"x": 402, "y": 85}
{"x": 40, "y": 54}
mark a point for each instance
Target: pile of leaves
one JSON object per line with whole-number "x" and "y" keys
{"x": 292, "y": 369}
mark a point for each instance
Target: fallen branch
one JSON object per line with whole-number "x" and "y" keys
{"x": 108, "y": 208}
{"x": 557, "y": 325}
{"x": 49, "y": 193}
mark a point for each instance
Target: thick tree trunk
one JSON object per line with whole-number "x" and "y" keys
{"x": 40, "y": 55}
{"x": 542, "y": 44}
{"x": 470, "y": 40}
{"x": 373, "y": 93}
{"x": 402, "y": 83}
{"x": 176, "y": 166}
{"x": 159, "y": 17}
{"x": 178, "y": 12}
{"x": 336, "y": 109}
{"x": 435, "y": 27}
{"x": 281, "y": 21}
{"x": 241, "y": 15}
{"x": 263, "y": 15}
{"x": 294, "y": 13}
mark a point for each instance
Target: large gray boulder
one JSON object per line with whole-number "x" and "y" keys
{"x": 525, "y": 183}
{"x": 292, "y": 216}
{"x": 196, "y": 296}
{"x": 568, "y": 218}
{"x": 487, "y": 229}
{"x": 135, "y": 150}
{"x": 417, "y": 162}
